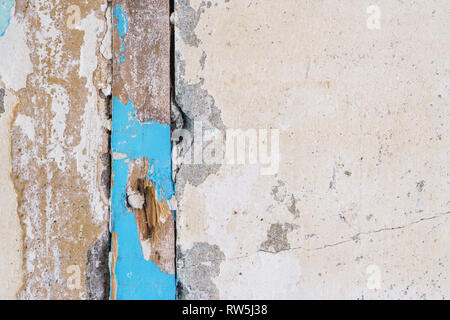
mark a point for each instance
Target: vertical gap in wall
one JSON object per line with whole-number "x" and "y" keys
{"x": 98, "y": 273}
{"x": 172, "y": 94}
{"x": 109, "y": 116}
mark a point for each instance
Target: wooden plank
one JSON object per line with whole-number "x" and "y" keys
{"x": 142, "y": 57}
{"x": 142, "y": 223}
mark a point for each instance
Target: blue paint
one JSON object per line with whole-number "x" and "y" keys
{"x": 136, "y": 278}
{"x": 5, "y": 15}
{"x": 122, "y": 27}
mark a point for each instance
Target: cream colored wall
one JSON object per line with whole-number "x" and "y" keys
{"x": 359, "y": 207}
{"x": 10, "y": 230}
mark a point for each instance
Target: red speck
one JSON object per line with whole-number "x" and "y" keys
{"x": 235, "y": 212}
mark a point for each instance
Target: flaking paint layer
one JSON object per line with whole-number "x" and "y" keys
{"x": 58, "y": 136}
{"x": 141, "y": 148}
{"x": 134, "y": 276}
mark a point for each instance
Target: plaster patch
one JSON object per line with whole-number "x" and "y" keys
{"x": 198, "y": 267}
{"x": 323, "y": 89}
{"x": 186, "y": 20}
{"x": 193, "y": 103}
{"x": 26, "y": 124}
{"x": 14, "y": 50}
{"x": 277, "y": 239}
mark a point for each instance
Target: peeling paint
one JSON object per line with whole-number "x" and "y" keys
{"x": 5, "y": 14}
{"x": 136, "y": 277}
{"x": 11, "y": 234}
{"x": 14, "y": 48}
{"x": 122, "y": 27}
{"x": 193, "y": 103}
{"x": 58, "y": 137}
{"x": 187, "y": 19}
{"x": 281, "y": 195}
{"x": 154, "y": 219}
{"x": 141, "y": 149}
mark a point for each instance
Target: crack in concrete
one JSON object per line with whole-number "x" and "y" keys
{"x": 353, "y": 238}
{"x": 356, "y": 236}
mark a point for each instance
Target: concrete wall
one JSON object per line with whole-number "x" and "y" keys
{"x": 358, "y": 207}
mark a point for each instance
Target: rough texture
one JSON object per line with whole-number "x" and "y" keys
{"x": 143, "y": 225}
{"x": 145, "y": 73}
{"x": 277, "y": 239}
{"x": 97, "y": 269}
{"x": 55, "y": 71}
{"x": 363, "y": 118}
{"x": 199, "y": 265}
{"x": 193, "y": 104}
{"x": 154, "y": 220}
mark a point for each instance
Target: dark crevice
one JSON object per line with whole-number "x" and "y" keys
{"x": 173, "y": 122}
{"x": 97, "y": 269}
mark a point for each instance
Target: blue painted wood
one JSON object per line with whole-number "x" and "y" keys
{"x": 133, "y": 276}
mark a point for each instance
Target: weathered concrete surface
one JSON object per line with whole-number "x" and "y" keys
{"x": 359, "y": 207}
{"x": 54, "y": 68}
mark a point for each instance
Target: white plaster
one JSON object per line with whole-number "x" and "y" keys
{"x": 26, "y": 124}
{"x": 87, "y": 152}
{"x": 15, "y": 65}
{"x": 10, "y": 229}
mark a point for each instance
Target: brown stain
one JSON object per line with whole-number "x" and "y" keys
{"x": 55, "y": 202}
{"x": 154, "y": 221}
{"x": 144, "y": 78}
